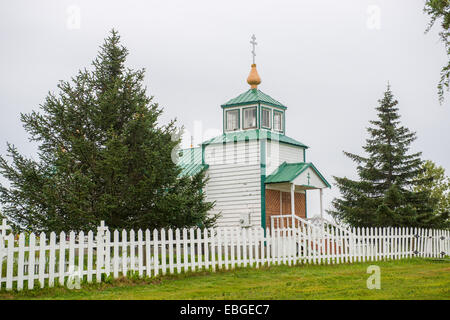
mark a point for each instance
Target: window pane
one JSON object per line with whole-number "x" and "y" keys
{"x": 277, "y": 121}
{"x": 266, "y": 118}
{"x": 249, "y": 118}
{"x": 233, "y": 120}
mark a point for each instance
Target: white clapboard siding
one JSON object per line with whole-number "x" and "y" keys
{"x": 31, "y": 257}
{"x": 234, "y": 198}
{"x": 277, "y": 153}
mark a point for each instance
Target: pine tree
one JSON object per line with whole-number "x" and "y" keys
{"x": 437, "y": 184}
{"x": 384, "y": 195}
{"x": 102, "y": 156}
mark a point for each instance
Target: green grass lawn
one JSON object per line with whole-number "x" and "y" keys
{"x": 405, "y": 279}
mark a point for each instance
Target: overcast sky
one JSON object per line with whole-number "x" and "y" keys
{"x": 328, "y": 61}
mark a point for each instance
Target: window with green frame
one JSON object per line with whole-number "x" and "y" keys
{"x": 277, "y": 120}
{"x": 232, "y": 120}
{"x": 249, "y": 115}
{"x": 266, "y": 118}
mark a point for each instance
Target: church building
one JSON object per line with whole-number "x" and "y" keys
{"x": 255, "y": 170}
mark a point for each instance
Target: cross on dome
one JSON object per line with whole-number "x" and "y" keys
{"x": 253, "y": 78}
{"x": 254, "y": 43}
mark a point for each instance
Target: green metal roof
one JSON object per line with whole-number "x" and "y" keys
{"x": 190, "y": 161}
{"x": 254, "y": 134}
{"x": 287, "y": 172}
{"x": 253, "y": 96}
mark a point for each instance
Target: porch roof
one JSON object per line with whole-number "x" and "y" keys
{"x": 288, "y": 172}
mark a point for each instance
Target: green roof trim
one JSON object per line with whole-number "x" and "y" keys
{"x": 287, "y": 172}
{"x": 255, "y": 134}
{"x": 190, "y": 161}
{"x": 253, "y": 96}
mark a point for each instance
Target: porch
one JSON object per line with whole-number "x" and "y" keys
{"x": 286, "y": 190}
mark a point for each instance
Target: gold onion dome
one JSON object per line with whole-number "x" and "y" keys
{"x": 253, "y": 78}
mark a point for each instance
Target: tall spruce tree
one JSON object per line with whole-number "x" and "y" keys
{"x": 102, "y": 156}
{"x": 384, "y": 195}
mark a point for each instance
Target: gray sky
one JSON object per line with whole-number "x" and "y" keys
{"x": 328, "y": 61}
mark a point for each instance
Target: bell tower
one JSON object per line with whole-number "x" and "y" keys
{"x": 253, "y": 109}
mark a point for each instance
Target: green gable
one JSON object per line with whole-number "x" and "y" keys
{"x": 255, "y": 134}
{"x": 253, "y": 96}
{"x": 287, "y": 172}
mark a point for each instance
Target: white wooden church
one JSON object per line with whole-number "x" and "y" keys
{"x": 255, "y": 170}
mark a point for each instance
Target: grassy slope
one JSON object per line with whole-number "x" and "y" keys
{"x": 407, "y": 279}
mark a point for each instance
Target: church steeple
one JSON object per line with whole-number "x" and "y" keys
{"x": 253, "y": 109}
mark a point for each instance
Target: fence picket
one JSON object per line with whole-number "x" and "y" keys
{"x": 71, "y": 252}
{"x": 52, "y": 260}
{"x": 238, "y": 247}
{"x": 132, "y": 266}
{"x": 375, "y": 243}
{"x": 230, "y": 238}
{"x": 213, "y": 249}
{"x": 403, "y": 242}
{"x": 192, "y": 242}
{"x": 199, "y": 250}
{"x": 425, "y": 243}
{"x": 292, "y": 246}
{"x": 178, "y": 249}
{"x": 328, "y": 244}
{"x": 90, "y": 256}
{"x": 116, "y": 254}
{"x": 185, "y": 251}
{"x": 256, "y": 245}
{"x": 244, "y": 247}
{"x": 10, "y": 262}
{"x": 206, "y": 248}
{"x": 163, "y": 252}
{"x": 249, "y": 246}
{"x": 219, "y": 248}
{"x": 155, "y": 253}
{"x": 397, "y": 242}
{"x": 80, "y": 265}
{"x": 263, "y": 246}
{"x": 140, "y": 245}
{"x": 42, "y": 259}
{"x": 148, "y": 257}
{"x": 226, "y": 247}
{"x": 333, "y": 241}
{"x": 31, "y": 261}
{"x": 20, "y": 262}
{"x": 124, "y": 253}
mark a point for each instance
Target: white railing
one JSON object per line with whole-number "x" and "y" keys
{"x": 30, "y": 261}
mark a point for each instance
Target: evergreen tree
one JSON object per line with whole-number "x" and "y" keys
{"x": 437, "y": 184}
{"x": 102, "y": 156}
{"x": 384, "y": 195}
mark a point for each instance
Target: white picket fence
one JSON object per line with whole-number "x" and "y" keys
{"x": 30, "y": 261}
